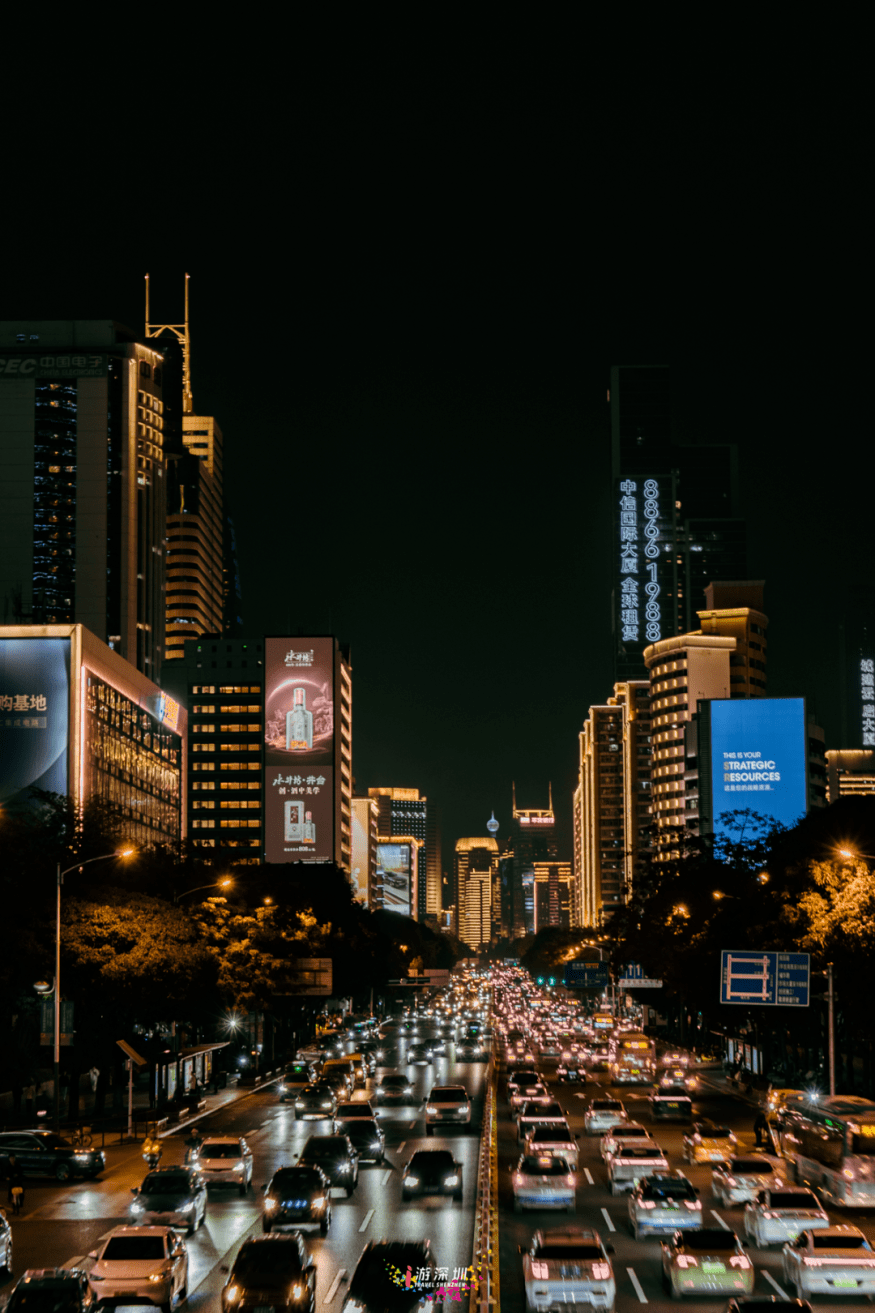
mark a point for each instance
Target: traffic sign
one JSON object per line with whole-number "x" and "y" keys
{"x": 587, "y": 975}
{"x": 765, "y": 979}
{"x": 633, "y": 977}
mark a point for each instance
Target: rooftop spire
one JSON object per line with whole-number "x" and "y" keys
{"x": 183, "y": 334}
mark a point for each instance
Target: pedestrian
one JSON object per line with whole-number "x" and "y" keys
{"x": 15, "y": 1177}
{"x": 761, "y": 1130}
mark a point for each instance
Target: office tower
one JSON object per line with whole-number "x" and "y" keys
{"x": 363, "y": 874}
{"x": 407, "y": 813}
{"x": 78, "y": 720}
{"x": 221, "y": 682}
{"x": 851, "y": 773}
{"x": 532, "y": 839}
{"x": 553, "y": 903}
{"x": 232, "y": 601}
{"x": 856, "y": 634}
{"x": 476, "y": 880}
{"x": 83, "y": 466}
{"x": 677, "y": 520}
{"x": 612, "y": 800}
{"x": 196, "y": 583}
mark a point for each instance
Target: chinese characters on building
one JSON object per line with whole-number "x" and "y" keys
{"x": 23, "y": 702}
{"x": 631, "y": 570}
{"x": 867, "y": 688}
{"x": 298, "y": 783}
{"x": 294, "y": 658}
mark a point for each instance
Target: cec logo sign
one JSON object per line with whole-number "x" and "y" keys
{"x": 52, "y": 366}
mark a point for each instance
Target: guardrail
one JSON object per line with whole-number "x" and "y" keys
{"x": 484, "y": 1287}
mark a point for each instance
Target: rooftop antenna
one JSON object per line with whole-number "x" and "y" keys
{"x": 182, "y": 333}
{"x": 514, "y": 797}
{"x": 550, "y": 804}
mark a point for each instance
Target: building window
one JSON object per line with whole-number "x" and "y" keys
{"x": 203, "y": 747}
{"x": 204, "y": 784}
{"x": 203, "y": 825}
{"x": 240, "y": 804}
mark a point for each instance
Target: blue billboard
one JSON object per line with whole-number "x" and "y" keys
{"x": 759, "y": 759}
{"x": 34, "y": 716}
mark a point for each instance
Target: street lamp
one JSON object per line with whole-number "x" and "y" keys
{"x": 104, "y": 857}
{"x": 221, "y": 884}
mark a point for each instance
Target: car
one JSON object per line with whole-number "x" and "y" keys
{"x": 523, "y": 1086}
{"x": 571, "y": 1070}
{"x": 837, "y": 1260}
{"x": 739, "y": 1179}
{"x": 367, "y": 1138}
{"x": 170, "y": 1196}
{"x": 671, "y": 1107}
{"x": 419, "y": 1055}
{"x": 378, "y": 1282}
{"x": 673, "y": 1058}
{"x": 140, "y": 1265}
{"x": 295, "y": 1197}
{"x": 784, "y": 1098}
{"x": 602, "y": 1114}
{"x": 395, "y": 1089}
{"x": 709, "y": 1261}
{"x": 550, "y": 1047}
{"x": 673, "y": 1078}
{"x": 437, "y": 1044}
{"x": 599, "y": 1057}
{"x": 51, "y": 1290}
{"x": 297, "y": 1076}
{"x": 569, "y": 1267}
{"x": 624, "y": 1134}
{"x": 631, "y": 1162}
{"x": 664, "y": 1202}
{"x": 45, "y": 1153}
{"x": 555, "y": 1139}
{"x": 315, "y": 1102}
{"x": 432, "y": 1171}
{"x": 337, "y": 1158}
{"x": 225, "y": 1160}
{"x": 776, "y": 1215}
{"x": 537, "y": 1113}
{"x": 271, "y": 1271}
{"x": 543, "y": 1181}
{"x": 707, "y": 1143}
{"x": 352, "y": 1111}
{"x": 360, "y": 1068}
{"x": 5, "y": 1244}
{"x": 447, "y": 1105}
{"x": 340, "y": 1076}
{"x": 470, "y": 1050}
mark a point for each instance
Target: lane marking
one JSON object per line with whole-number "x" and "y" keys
{"x": 411, "y": 1126}
{"x": 683, "y": 1174}
{"x": 588, "y": 1174}
{"x": 774, "y": 1283}
{"x": 368, "y": 1215}
{"x": 725, "y": 1225}
{"x": 335, "y": 1283}
{"x": 642, "y": 1298}
{"x": 606, "y": 1215}
{"x": 386, "y": 1175}
{"x": 401, "y": 1145}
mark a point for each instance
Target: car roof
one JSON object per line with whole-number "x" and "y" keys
{"x": 824, "y": 1232}
{"x": 140, "y": 1230}
{"x": 436, "y": 1088}
{"x": 223, "y": 1139}
{"x": 567, "y": 1235}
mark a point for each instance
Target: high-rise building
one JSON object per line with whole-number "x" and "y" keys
{"x": 532, "y": 839}
{"x": 404, "y": 812}
{"x": 851, "y": 773}
{"x": 83, "y": 475}
{"x": 554, "y": 896}
{"x": 677, "y": 518}
{"x": 363, "y": 873}
{"x": 476, "y": 885}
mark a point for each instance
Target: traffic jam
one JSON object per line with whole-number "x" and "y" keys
{"x": 659, "y": 1199}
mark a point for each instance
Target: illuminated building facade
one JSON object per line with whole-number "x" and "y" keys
{"x": 850, "y": 773}
{"x": 83, "y": 465}
{"x": 677, "y": 521}
{"x": 221, "y": 681}
{"x": 532, "y": 839}
{"x": 476, "y": 888}
{"x": 406, "y": 812}
{"x": 554, "y": 895}
{"x": 79, "y": 720}
{"x": 363, "y": 874}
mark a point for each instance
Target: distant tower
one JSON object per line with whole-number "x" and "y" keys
{"x": 492, "y": 824}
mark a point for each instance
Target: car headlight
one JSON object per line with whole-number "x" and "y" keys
{"x": 345, "y": 1167}
{"x": 233, "y": 1294}
{"x": 282, "y": 1089}
{"x": 320, "y": 1202}
{"x": 451, "y": 1180}
{"x": 137, "y": 1208}
{"x": 326, "y": 1105}
{"x": 430, "y": 1108}
{"x": 297, "y": 1291}
{"x": 376, "y": 1144}
{"x": 270, "y": 1204}
{"x": 187, "y": 1208}
{"x": 411, "y": 1180}
{"x": 159, "y": 1276}
{"x": 299, "y": 1104}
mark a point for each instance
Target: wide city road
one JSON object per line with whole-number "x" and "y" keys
{"x": 60, "y": 1224}
{"x": 637, "y": 1266}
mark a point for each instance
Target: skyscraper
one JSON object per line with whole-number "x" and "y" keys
{"x": 532, "y": 839}
{"x": 405, "y": 812}
{"x": 476, "y": 883}
{"x": 83, "y": 475}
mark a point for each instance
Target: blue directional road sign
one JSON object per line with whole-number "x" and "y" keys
{"x": 769, "y": 979}
{"x": 587, "y": 975}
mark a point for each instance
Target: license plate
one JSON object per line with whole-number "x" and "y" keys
{"x": 713, "y": 1267}
{"x": 844, "y": 1281}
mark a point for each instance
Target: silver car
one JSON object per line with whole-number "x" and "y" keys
{"x": 556, "y": 1139}
{"x": 542, "y": 1181}
{"x": 631, "y": 1162}
{"x": 620, "y": 1136}
{"x": 662, "y": 1204}
{"x": 739, "y": 1180}
{"x": 569, "y": 1268}
{"x": 140, "y": 1265}
{"x": 783, "y": 1214}
{"x": 835, "y": 1261}
{"x": 602, "y": 1114}
{"x": 225, "y": 1160}
{"x": 534, "y": 1113}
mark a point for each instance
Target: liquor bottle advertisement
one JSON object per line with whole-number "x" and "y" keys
{"x": 299, "y": 814}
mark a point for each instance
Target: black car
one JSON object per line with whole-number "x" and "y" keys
{"x": 432, "y": 1171}
{"x": 170, "y": 1196}
{"x": 296, "y": 1077}
{"x": 296, "y": 1197}
{"x": 336, "y": 1157}
{"x": 274, "y": 1271}
{"x": 374, "y": 1287}
{"x": 44, "y": 1153}
{"x": 366, "y": 1138}
{"x": 395, "y": 1089}
{"x": 315, "y": 1101}
{"x": 470, "y": 1050}
{"x": 51, "y": 1290}
{"x": 5, "y": 1244}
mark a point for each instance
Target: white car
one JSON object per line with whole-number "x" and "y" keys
{"x": 535, "y": 1113}
{"x": 602, "y": 1114}
{"x": 631, "y": 1163}
{"x": 620, "y": 1136}
{"x": 140, "y": 1264}
{"x": 837, "y": 1260}
{"x": 557, "y": 1140}
{"x": 740, "y": 1180}
{"x": 542, "y": 1181}
{"x": 528, "y": 1092}
{"x": 225, "y": 1160}
{"x": 662, "y": 1204}
{"x": 778, "y": 1215}
{"x": 568, "y": 1268}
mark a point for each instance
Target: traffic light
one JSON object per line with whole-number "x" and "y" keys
{"x": 540, "y": 980}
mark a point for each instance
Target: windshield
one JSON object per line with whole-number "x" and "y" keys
{"x": 793, "y": 1199}
{"x": 545, "y": 1166}
{"x": 298, "y": 1178}
{"x": 715, "y": 1132}
{"x": 448, "y": 1096}
{"x": 668, "y": 1190}
{"x": 325, "y": 1149}
{"x": 862, "y": 1146}
{"x": 51, "y": 1140}
{"x": 55, "y": 1298}
{"x": 438, "y": 1159}
{"x": 636, "y": 1151}
{"x": 582, "y": 1253}
{"x": 751, "y": 1166}
{"x": 373, "y": 1282}
{"x": 212, "y": 1150}
{"x": 707, "y": 1242}
{"x": 134, "y": 1249}
{"x": 838, "y": 1241}
{"x": 605, "y": 1105}
{"x": 525, "y": 1078}
{"x": 550, "y": 1134}
{"x": 169, "y": 1183}
{"x": 267, "y": 1261}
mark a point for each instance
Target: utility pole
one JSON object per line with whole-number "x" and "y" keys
{"x": 830, "y": 998}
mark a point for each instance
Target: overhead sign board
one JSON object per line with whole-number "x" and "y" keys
{"x": 633, "y": 977}
{"x": 587, "y": 975}
{"x": 765, "y": 979}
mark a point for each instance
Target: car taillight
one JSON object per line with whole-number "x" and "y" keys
{"x": 740, "y": 1260}
{"x": 601, "y": 1271}
{"x": 540, "y": 1271}
{"x": 517, "y": 1179}
{"x": 693, "y": 1203}
{"x": 648, "y": 1203}
{"x": 686, "y": 1260}
{"x": 848, "y": 1173}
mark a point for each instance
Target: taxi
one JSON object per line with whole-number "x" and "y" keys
{"x": 708, "y": 1261}
{"x": 707, "y": 1143}
{"x": 602, "y": 1114}
{"x": 542, "y": 1181}
{"x": 631, "y": 1162}
{"x": 774, "y": 1216}
{"x": 837, "y": 1260}
{"x": 739, "y": 1180}
{"x": 662, "y": 1204}
{"x": 569, "y": 1267}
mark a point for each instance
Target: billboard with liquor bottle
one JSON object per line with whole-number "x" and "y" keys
{"x": 299, "y": 726}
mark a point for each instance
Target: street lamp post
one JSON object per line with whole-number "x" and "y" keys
{"x": 830, "y": 1001}
{"x": 221, "y": 884}
{"x": 56, "y": 1097}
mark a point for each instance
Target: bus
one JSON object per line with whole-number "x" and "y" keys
{"x": 831, "y": 1146}
{"x": 632, "y": 1058}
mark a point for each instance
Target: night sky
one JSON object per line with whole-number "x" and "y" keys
{"x": 404, "y": 323}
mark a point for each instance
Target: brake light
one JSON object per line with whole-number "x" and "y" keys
{"x": 647, "y": 1203}
{"x": 687, "y": 1260}
{"x": 848, "y": 1173}
{"x": 540, "y": 1271}
{"x": 601, "y": 1271}
{"x": 740, "y": 1260}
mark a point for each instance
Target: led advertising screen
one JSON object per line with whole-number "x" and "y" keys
{"x": 759, "y": 758}
{"x": 361, "y": 849}
{"x": 299, "y": 750}
{"x": 394, "y": 860}
{"x": 34, "y": 716}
